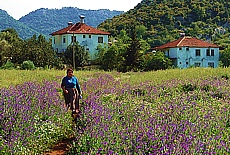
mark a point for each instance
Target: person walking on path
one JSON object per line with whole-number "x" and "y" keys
{"x": 72, "y": 91}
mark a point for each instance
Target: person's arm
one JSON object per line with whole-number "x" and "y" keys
{"x": 78, "y": 87}
{"x": 63, "y": 86}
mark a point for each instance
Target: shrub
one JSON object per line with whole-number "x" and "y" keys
{"x": 8, "y": 65}
{"x": 28, "y": 65}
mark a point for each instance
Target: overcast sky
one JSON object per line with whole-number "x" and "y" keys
{"x": 19, "y": 8}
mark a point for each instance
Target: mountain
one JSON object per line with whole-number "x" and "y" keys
{"x": 6, "y": 21}
{"x": 166, "y": 20}
{"x": 45, "y": 21}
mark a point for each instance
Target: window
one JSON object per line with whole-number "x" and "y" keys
{"x": 186, "y": 63}
{"x": 89, "y": 36}
{"x": 208, "y": 52}
{"x": 64, "y": 40}
{"x": 180, "y": 48}
{"x": 212, "y": 52}
{"x": 83, "y": 36}
{"x": 73, "y": 38}
{"x": 54, "y": 40}
{"x": 197, "y": 64}
{"x": 187, "y": 49}
{"x": 197, "y": 52}
{"x": 211, "y": 64}
{"x": 100, "y": 39}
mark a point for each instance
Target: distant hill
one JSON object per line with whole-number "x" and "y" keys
{"x": 165, "y": 20}
{"x": 6, "y": 21}
{"x": 45, "y": 21}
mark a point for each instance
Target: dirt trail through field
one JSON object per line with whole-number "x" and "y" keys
{"x": 62, "y": 147}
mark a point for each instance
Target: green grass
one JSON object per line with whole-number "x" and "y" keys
{"x": 14, "y": 77}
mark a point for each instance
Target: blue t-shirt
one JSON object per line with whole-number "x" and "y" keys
{"x": 71, "y": 82}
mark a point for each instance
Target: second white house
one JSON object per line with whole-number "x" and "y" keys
{"x": 189, "y": 51}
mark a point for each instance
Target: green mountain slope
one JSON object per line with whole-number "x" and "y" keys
{"x": 6, "y": 21}
{"x": 47, "y": 21}
{"x": 165, "y": 20}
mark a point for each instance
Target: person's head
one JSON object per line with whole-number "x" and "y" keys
{"x": 69, "y": 72}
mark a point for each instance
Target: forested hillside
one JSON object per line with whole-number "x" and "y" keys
{"x": 45, "y": 21}
{"x": 161, "y": 21}
{"x": 6, "y": 21}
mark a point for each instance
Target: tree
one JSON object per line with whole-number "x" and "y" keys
{"x": 4, "y": 49}
{"x": 100, "y": 54}
{"x": 113, "y": 59}
{"x": 81, "y": 56}
{"x": 225, "y": 57}
{"x": 132, "y": 56}
{"x": 9, "y": 46}
{"x": 39, "y": 51}
{"x": 155, "y": 61}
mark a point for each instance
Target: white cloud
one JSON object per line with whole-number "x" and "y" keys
{"x": 19, "y": 8}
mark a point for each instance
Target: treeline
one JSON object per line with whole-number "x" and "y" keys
{"x": 37, "y": 50}
{"x": 128, "y": 52}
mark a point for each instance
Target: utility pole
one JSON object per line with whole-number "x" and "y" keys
{"x": 73, "y": 40}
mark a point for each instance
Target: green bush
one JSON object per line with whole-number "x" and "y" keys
{"x": 28, "y": 65}
{"x": 8, "y": 65}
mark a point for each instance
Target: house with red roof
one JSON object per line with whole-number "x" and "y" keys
{"x": 80, "y": 32}
{"x": 189, "y": 51}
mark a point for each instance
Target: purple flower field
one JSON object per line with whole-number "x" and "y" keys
{"x": 175, "y": 117}
{"x": 178, "y": 116}
{"x": 32, "y": 118}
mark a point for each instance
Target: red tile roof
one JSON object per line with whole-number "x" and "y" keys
{"x": 79, "y": 28}
{"x": 187, "y": 42}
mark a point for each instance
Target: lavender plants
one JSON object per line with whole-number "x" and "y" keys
{"x": 179, "y": 116}
{"x": 32, "y": 118}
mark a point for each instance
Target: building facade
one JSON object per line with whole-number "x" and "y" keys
{"x": 80, "y": 32}
{"x": 188, "y": 51}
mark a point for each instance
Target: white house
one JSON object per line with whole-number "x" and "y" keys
{"x": 87, "y": 36}
{"x": 189, "y": 51}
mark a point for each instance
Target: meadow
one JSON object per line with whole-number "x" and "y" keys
{"x": 162, "y": 112}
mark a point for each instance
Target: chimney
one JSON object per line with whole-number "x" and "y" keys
{"x": 70, "y": 23}
{"x": 182, "y": 35}
{"x": 82, "y": 18}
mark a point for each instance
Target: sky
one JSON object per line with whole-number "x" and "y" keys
{"x": 19, "y": 8}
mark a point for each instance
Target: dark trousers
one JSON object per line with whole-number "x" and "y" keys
{"x": 72, "y": 99}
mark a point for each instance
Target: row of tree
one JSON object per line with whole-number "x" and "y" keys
{"x": 129, "y": 52}
{"x": 36, "y": 49}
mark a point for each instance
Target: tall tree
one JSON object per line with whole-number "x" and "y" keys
{"x": 133, "y": 54}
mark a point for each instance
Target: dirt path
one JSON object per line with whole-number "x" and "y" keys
{"x": 61, "y": 148}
